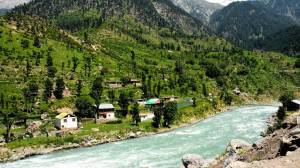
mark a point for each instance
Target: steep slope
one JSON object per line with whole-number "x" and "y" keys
{"x": 159, "y": 13}
{"x": 200, "y": 9}
{"x": 286, "y": 41}
{"x": 247, "y": 23}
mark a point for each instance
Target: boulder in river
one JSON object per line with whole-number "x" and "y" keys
{"x": 193, "y": 161}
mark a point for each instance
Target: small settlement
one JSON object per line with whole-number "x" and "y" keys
{"x": 105, "y": 112}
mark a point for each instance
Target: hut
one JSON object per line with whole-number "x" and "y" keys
{"x": 66, "y": 121}
{"x": 106, "y": 112}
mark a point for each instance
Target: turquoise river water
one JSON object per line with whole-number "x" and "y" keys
{"x": 208, "y": 138}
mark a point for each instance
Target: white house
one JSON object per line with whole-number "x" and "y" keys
{"x": 146, "y": 116}
{"x": 66, "y": 121}
{"x": 106, "y": 112}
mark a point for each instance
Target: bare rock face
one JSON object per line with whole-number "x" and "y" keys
{"x": 193, "y": 161}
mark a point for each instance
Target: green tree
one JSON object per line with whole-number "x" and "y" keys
{"x": 79, "y": 87}
{"x": 37, "y": 42}
{"x": 96, "y": 93}
{"x": 59, "y": 89}
{"x": 194, "y": 102}
{"x": 10, "y": 113}
{"x": 75, "y": 61}
{"x": 297, "y": 63}
{"x": 84, "y": 105}
{"x": 48, "y": 89}
{"x": 24, "y": 43}
{"x": 111, "y": 96}
{"x": 135, "y": 112}
{"x": 158, "y": 112}
{"x": 123, "y": 102}
{"x": 28, "y": 69}
{"x": 170, "y": 112}
{"x": 51, "y": 71}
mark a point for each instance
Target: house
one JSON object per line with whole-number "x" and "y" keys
{"x": 170, "y": 98}
{"x": 66, "y": 121}
{"x": 141, "y": 102}
{"x": 146, "y": 116}
{"x": 135, "y": 82}
{"x": 106, "y": 112}
{"x": 113, "y": 84}
{"x": 294, "y": 105}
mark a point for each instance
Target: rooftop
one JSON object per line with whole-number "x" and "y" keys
{"x": 296, "y": 101}
{"x": 106, "y": 106}
{"x": 63, "y": 115}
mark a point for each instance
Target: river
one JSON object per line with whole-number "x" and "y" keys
{"x": 208, "y": 138}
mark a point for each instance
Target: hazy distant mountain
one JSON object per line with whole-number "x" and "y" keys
{"x": 248, "y": 23}
{"x": 200, "y": 9}
{"x": 7, "y": 4}
{"x": 3, "y": 11}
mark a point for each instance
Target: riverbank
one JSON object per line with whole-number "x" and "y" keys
{"x": 8, "y": 154}
{"x": 280, "y": 148}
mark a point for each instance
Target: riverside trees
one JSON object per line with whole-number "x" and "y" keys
{"x": 166, "y": 111}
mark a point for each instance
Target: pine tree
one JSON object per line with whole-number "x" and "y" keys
{"x": 59, "y": 89}
{"x": 135, "y": 112}
{"x": 28, "y": 68}
{"x": 96, "y": 93}
{"x": 79, "y": 86}
{"x": 37, "y": 42}
{"x": 123, "y": 102}
{"x": 48, "y": 89}
{"x": 170, "y": 112}
{"x": 75, "y": 63}
{"x": 158, "y": 112}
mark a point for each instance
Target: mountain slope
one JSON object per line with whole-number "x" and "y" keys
{"x": 200, "y": 9}
{"x": 247, "y": 23}
{"x": 286, "y": 41}
{"x": 159, "y": 13}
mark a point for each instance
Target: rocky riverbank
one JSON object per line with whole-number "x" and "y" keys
{"x": 280, "y": 148}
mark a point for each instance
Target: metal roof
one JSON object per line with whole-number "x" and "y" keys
{"x": 152, "y": 101}
{"x": 63, "y": 115}
{"x": 296, "y": 101}
{"x": 106, "y": 106}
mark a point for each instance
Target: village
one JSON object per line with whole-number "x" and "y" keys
{"x": 107, "y": 117}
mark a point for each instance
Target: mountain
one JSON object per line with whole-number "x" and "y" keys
{"x": 247, "y": 23}
{"x": 161, "y": 13}
{"x": 3, "y": 11}
{"x": 286, "y": 41}
{"x": 200, "y": 9}
{"x": 8, "y": 4}
{"x": 289, "y": 8}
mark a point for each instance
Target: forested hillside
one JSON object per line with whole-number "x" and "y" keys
{"x": 247, "y": 24}
{"x": 75, "y": 14}
{"x": 286, "y": 41}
